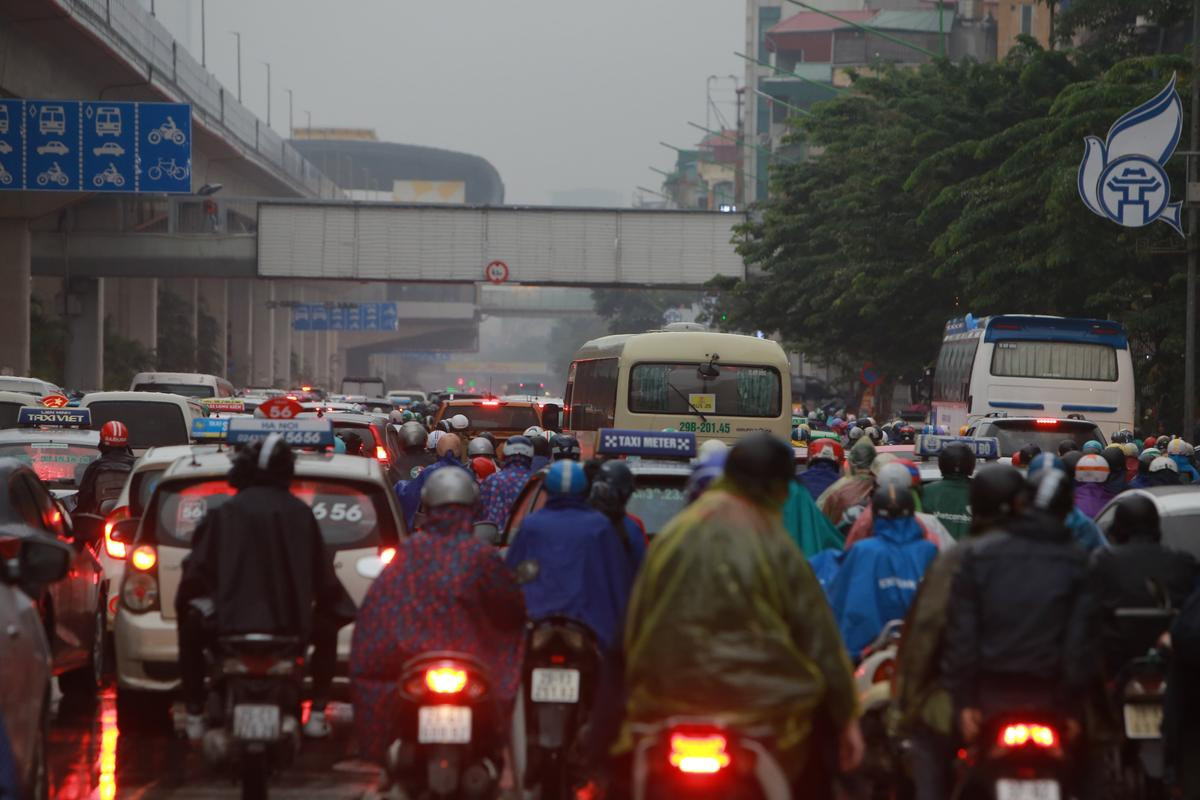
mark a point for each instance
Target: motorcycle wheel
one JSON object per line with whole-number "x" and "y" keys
{"x": 119, "y": 181}
{"x": 254, "y": 776}
{"x": 98, "y": 181}
{"x": 177, "y": 138}
{"x": 41, "y": 180}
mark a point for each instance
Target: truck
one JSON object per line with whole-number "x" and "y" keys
{"x": 370, "y": 387}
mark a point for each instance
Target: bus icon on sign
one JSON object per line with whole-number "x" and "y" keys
{"x": 108, "y": 121}
{"x": 52, "y": 119}
{"x": 3, "y": 119}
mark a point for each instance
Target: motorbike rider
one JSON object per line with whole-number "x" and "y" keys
{"x": 499, "y": 492}
{"x": 854, "y": 488}
{"x": 924, "y": 711}
{"x": 450, "y": 455}
{"x": 415, "y": 457}
{"x": 565, "y": 446}
{"x": 105, "y": 477}
{"x": 541, "y": 453}
{"x": 1136, "y": 572}
{"x": 258, "y": 564}
{"x": 890, "y": 471}
{"x": 824, "y": 466}
{"x": 480, "y": 447}
{"x": 1181, "y": 707}
{"x": 878, "y": 578}
{"x": 444, "y": 590}
{"x": 949, "y": 498}
{"x": 728, "y": 621}
{"x": 1179, "y": 451}
{"x": 612, "y": 485}
{"x": 1091, "y": 478}
{"x": 1027, "y": 647}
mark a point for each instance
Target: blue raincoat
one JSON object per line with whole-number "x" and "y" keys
{"x": 1185, "y": 468}
{"x": 409, "y": 492}
{"x": 583, "y": 571}
{"x": 819, "y": 476}
{"x": 1085, "y": 532}
{"x": 872, "y": 588}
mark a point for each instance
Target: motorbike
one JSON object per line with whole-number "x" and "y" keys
{"x": 1020, "y": 755}
{"x": 253, "y": 709}
{"x": 109, "y": 175}
{"x": 562, "y": 666}
{"x": 1138, "y": 694}
{"x": 873, "y": 681}
{"x": 703, "y": 759}
{"x": 450, "y": 734}
{"x": 169, "y": 131}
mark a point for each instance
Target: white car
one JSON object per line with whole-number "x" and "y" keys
{"x": 359, "y": 517}
{"x": 154, "y": 419}
{"x": 109, "y": 149}
{"x": 1178, "y": 511}
{"x": 54, "y": 147}
{"x": 34, "y": 386}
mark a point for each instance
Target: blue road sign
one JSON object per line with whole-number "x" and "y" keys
{"x": 389, "y": 317}
{"x": 370, "y": 316}
{"x": 318, "y": 317}
{"x": 300, "y": 317}
{"x": 337, "y": 319}
{"x": 95, "y": 146}
{"x": 361, "y": 317}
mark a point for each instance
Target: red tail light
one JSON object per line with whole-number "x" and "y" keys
{"x": 490, "y": 403}
{"x": 1021, "y": 734}
{"x": 884, "y": 672}
{"x": 381, "y": 453}
{"x": 144, "y": 558}
{"x": 1047, "y": 421}
{"x": 386, "y": 555}
{"x": 699, "y": 755}
{"x": 445, "y": 680}
{"x": 115, "y": 549}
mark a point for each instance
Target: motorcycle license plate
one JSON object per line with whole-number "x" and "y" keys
{"x": 257, "y": 723}
{"x": 1008, "y": 789}
{"x": 554, "y": 685}
{"x": 1143, "y": 721}
{"x": 444, "y": 725}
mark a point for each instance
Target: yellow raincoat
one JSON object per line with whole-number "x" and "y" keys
{"x": 728, "y": 621}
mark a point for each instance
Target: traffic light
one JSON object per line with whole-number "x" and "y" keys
{"x": 724, "y": 317}
{"x": 461, "y": 381}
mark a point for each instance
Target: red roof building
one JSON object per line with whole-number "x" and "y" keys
{"x": 810, "y": 34}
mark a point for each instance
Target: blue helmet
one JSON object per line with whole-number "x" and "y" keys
{"x": 566, "y": 477}
{"x": 1043, "y": 461}
{"x": 518, "y": 446}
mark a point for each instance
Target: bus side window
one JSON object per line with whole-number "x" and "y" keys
{"x": 594, "y": 394}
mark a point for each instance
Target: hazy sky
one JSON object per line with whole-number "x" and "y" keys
{"x": 556, "y": 94}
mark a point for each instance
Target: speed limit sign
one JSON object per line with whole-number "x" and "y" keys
{"x": 496, "y": 272}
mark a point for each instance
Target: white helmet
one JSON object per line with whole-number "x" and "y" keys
{"x": 1163, "y": 462}
{"x": 711, "y": 447}
{"x": 459, "y": 422}
{"x": 534, "y": 430}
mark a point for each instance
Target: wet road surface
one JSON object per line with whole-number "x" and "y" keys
{"x": 96, "y": 755}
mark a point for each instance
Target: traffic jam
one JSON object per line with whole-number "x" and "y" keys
{"x": 457, "y": 594}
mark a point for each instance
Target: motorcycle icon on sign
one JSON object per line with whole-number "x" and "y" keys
{"x": 5, "y": 176}
{"x": 110, "y": 175}
{"x": 53, "y": 175}
{"x": 168, "y": 131}
{"x": 167, "y": 167}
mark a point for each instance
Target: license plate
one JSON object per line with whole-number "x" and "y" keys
{"x": 257, "y": 723}
{"x": 444, "y": 725}
{"x": 1143, "y": 721}
{"x": 1007, "y": 789}
{"x": 555, "y": 686}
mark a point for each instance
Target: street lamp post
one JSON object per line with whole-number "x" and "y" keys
{"x": 268, "y": 66}
{"x": 203, "y": 32}
{"x": 239, "y": 63}
{"x": 291, "y": 115}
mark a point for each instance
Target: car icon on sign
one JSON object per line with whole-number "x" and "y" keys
{"x": 109, "y": 149}
{"x": 57, "y": 148}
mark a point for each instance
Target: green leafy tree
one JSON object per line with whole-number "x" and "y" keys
{"x": 176, "y": 346}
{"x": 1112, "y": 26}
{"x": 47, "y": 343}
{"x": 637, "y": 310}
{"x": 123, "y": 358}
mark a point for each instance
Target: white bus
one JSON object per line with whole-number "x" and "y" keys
{"x": 1034, "y": 366}
{"x": 716, "y": 385}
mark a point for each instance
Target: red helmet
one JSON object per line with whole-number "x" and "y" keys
{"x": 482, "y": 467}
{"x": 114, "y": 434}
{"x": 829, "y": 449}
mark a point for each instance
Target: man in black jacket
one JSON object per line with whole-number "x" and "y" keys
{"x": 1019, "y": 631}
{"x": 1137, "y": 572}
{"x": 259, "y": 565}
{"x": 105, "y": 477}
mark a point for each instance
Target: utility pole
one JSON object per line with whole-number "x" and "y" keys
{"x": 291, "y": 115}
{"x": 268, "y": 66}
{"x": 239, "y": 63}
{"x": 1189, "y": 363}
{"x": 203, "y": 37}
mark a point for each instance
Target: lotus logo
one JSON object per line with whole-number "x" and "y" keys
{"x": 1122, "y": 178}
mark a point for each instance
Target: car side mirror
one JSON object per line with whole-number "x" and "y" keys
{"x": 487, "y": 532}
{"x": 552, "y": 417}
{"x": 34, "y": 559}
{"x": 87, "y": 528}
{"x": 107, "y": 506}
{"x": 125, "y": 531}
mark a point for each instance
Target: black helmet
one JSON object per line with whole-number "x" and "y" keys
{"x": 956, "y": 459}
{"x": 1067, "y": 446}
{"x": 444, "y": 426}
{"x": 996, "y": 492}
{"x": 1116, "y": 460}
{"x": 263, "y": 462}
{"x": 893, "y": 502}
{"x": 1052, "y": 492}
{"x": 1027, "y": 454}
{"x": 564, "y": 446}
{"x": 1070, "y": 460}
{"x": 760, "y": 464}
{"x": 618, "y": 475}
{"x": 541, "y": 446}
{"x": 1136, "y": 518}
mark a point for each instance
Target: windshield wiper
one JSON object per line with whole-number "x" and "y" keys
{"x": 697, "y": 411}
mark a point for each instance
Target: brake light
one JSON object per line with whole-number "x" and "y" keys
{"x": 1020, "y": 734}
{"x": 115, "y": 549}
{"x": 143, "y": 558}
{"x": 386, "y": 555}
{"x": 699, "y": 755}
{"x": 445, "y": 680}
{"x": 1047, "y": 421}
{"x": 381, "y": 453}
{"x": 490, "y": 403}
{"x": 54, "y": 517}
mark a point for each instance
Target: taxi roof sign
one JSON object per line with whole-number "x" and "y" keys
{"x": 224, "y": 404}
{"x": 296, "y": 432}
{"x": 54, "y": 417}
{"x": 210, "y": 427}
{"x": 930, "y": 446}
{"x": 653, "y": 444}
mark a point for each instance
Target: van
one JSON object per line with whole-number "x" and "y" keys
{"x": 154, "y": 419}
{"x": 188, "y": 384}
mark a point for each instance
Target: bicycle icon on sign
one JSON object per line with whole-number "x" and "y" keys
{"x": 169, "y": 131}
{"x": 167, "y": 167}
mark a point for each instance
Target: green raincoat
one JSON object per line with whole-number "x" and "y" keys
{"x": 950, "y": 501}
{"x": 807, "y": 526}
{"x": 728, "y": 621}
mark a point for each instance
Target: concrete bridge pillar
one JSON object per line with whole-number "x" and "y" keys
{"x": 85, "y": 333}
{"x": 241, "y": 329}
{"x": 322, "y": 371}
{"x": 214, "y": 297}
{"x": 131, "y": 305}
{"x": 16, "y": 278}
{"x": 282, "y": 351}
{"x": 187, "y": 290}
{"x": 263, "y": 339}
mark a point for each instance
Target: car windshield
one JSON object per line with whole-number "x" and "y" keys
{"x": 350, "y": 515}
{"x": 151, "y": 424}
{"x": 186, "y": 389}
{"x": 656, "y": 500}
{"x": 1046, "y": 434}
{"x": 1182, "y": 532}
{"x": 495, "y": 418}
{"x": 60, "y": 465}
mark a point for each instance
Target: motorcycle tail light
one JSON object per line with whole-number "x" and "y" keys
{"x": 1022, "y": 734}
{"x": 387, "y": 555}
{"x": 381, "y": 453}
{"x": 445, "y": 680}
{"x": 699, "y": 754}
{"x": 884, "y": 672}
{"x": 115, "y": 549}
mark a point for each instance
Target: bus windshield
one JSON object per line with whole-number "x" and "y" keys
{"x": 736, "y": 391}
